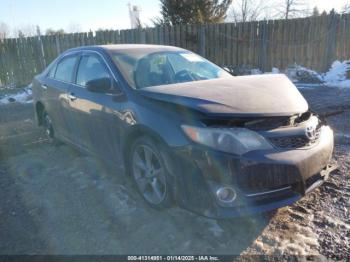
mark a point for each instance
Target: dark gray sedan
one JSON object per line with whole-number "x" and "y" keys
{"x": 184, "y": 129}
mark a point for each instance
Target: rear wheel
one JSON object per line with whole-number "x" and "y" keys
{"x": 150, "y": 172}
{"x": 49, "y": 130}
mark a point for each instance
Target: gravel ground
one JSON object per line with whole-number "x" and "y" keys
{"x": 55, "y": 200}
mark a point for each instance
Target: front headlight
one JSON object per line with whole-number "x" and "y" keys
{"x": 231, "y": 140}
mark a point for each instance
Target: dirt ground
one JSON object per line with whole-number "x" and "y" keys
{"x": 55, "y": 200}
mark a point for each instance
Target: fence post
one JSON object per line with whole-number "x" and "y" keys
{"x": 58, "y": 44}
{"x": 42, "y": 52}
{"x": 331, "y": 40}
{"x": 202, "y": 41}
{"x": 142, "y": 36}
{"x": 263, "y": 45}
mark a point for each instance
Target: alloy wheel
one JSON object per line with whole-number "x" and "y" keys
{"x": 149, "y": 174}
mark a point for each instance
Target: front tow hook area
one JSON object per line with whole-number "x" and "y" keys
{"x": 317, "y": 180}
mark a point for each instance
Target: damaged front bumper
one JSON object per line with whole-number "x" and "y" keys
{"x": 262, "y": 180}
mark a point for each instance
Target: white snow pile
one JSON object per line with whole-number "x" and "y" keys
{"x": 255, "y": 71}
{"x": 301, "y": 74}
{"x": 337, "y": 75}
{"x": 24, "y": 97}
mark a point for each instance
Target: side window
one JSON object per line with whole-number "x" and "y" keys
{"x": 91, "y": 68}
{"x": 52, "y": 71}
{"x": 178, "y": 63}
{"x": 157, "y": 63}
{"x": 65, "y": 69}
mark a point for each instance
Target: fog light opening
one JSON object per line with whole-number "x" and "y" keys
{"x": 226, "y": 194}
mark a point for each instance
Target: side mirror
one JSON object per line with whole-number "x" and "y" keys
{"x": 99, "y": 85}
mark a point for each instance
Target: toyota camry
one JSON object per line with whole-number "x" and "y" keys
{"x": 186, "y": 131}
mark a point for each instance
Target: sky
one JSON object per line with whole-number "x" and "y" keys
{"x": 91, "y": 14}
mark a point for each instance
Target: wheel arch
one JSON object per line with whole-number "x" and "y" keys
{"x": 135, "y": 133}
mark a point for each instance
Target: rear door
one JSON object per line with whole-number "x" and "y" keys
{"x": 95, "y": 112}
{"x": 56, "y": 90}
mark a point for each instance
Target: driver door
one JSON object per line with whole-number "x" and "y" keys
{"x": 94, "y": 112}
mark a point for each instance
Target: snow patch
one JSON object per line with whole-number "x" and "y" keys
{"x": 297, "y": 240}
{"x": 275, "y": 70}
{"x": 336, "y": 76}
{"x": 23, "y": 97}
{"x": 301, "y": 74}
{"x": 255, "y": 71}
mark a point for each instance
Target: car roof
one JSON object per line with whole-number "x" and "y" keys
{"x": 125, "y": 47}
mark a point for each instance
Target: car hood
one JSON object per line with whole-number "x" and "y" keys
{"x": 262, "y": 95}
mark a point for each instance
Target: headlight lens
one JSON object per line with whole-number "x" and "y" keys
{"x": 231, "y": 140}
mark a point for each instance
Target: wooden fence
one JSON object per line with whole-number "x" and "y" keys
{"x": 314, "y": 42}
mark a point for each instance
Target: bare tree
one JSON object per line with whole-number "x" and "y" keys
{"x": 249, "y": 10}
{"x": 315, "y": 11}
{"x": 139, "y": 23}
{"x": 25, "y": 31}
{"x": 346, "y": 8}
{"x": 51, "y": 31}
{"x": 4, "y": 30}
{"x": 292, "y": 9}
{"x": 73, "y": 27}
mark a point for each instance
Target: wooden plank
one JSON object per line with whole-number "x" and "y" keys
{"x": 172, "y": 36}
{"x": 294, "y": 39}
{"x": 347, "y": 36}
{"x": 272, "y": 44}
{"x": 183, "y": 36}
{"x": 316, "y": 44}
{"x": 166, "y": 35}
{"x": 309, "y": 42}
{"x": 228, "y": 41}
{"x": 246, "y": 30}
{"x": 209, "y": 42}
{"x": 221, "y": 37}
{"x": 196, "y": 38}
{"x": 218, "y": 44}
{"x": 161, "y": 35}
{"x": 2, "y": 65}
{"x": 5, "y": 58}
{"x": 341, "y": 31}
{"x": 305, "y": 33}
{"x": 277, "y": 44}
{"x": 298, "y": 42}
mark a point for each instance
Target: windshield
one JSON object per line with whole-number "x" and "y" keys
{"x": 143, "y": 69}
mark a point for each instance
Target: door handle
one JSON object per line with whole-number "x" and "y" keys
{"x": 43, "y": 86}
{"x": 72, "y": 97}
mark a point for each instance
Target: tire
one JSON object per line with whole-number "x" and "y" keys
{"x": 149, "y": 169}
{"x": 49, "y": 130}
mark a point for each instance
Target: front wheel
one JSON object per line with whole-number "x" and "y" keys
{"x": 150, "y": 172}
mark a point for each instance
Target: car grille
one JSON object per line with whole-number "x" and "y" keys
{"x": 262, "y": 177}
{"x": 294, "y": 141}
